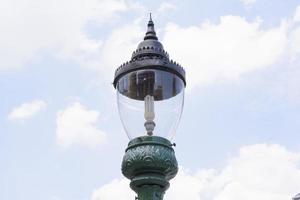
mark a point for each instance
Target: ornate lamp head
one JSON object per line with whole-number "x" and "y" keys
{"x": 150, "y": 90}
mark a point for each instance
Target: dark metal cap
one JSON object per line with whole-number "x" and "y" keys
{"x": 150, "y": 54}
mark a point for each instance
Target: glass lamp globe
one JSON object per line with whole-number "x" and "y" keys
{"x": 150, "y": 102}
{"x": 150, "y": 90}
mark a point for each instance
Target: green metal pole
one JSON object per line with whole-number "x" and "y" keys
{"x": 149, "y": 162}
{"x": 150, "y": 192}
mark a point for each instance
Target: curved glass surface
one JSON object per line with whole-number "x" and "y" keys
{"x": 150, "y": 102}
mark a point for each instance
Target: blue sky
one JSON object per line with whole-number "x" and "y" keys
{"x": 60, "y": 134}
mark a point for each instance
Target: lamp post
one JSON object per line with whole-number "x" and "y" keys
{"x": 150, "y": 94}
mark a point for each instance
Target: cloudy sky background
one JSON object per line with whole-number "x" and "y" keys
{"x": 60, "y": 133}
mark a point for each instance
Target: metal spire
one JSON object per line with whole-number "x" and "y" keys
{"x": 150, "y": 34}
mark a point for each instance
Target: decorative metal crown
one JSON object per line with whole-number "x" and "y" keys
{"x": 150, "y": 54}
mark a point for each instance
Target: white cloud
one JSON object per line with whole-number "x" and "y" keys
{"x": 248, "y": 3}
{"x": 297, "y": 14}
{"x": 29, "y": 26}
{"x": 260, "y": 172}
{"x": 209, "y": 52}
{"x": 295, "y": 43}
{"x": 119, "y": 46}
{"x": 77, "y": 126}
{"x": 165, "y": 7}
{"x": 115, "y": 190}
{"x": 224, "y": 51}
{"x": 212, "y": 52}
{"x": 27, "y": 110}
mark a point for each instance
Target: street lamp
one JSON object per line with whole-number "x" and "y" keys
{"x": 150, "y": 94}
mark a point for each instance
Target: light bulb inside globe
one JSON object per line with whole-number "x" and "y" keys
{"x": 149, "y": 114}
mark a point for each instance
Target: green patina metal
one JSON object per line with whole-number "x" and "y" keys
{"x": 149, "y": 162}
